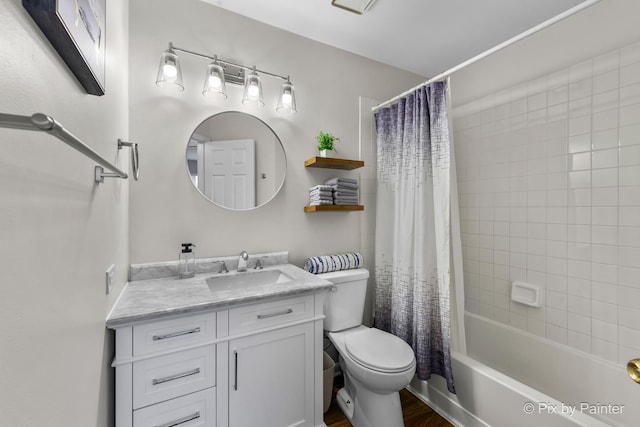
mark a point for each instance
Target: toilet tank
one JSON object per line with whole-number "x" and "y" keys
{"x": 344, "y": 306}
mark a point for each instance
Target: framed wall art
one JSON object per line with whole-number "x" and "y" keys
{"x": 77, "y": 30}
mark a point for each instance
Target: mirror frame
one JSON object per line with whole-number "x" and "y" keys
{"x": 284, "y": 153}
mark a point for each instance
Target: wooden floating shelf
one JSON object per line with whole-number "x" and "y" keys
{"x": 331, "y": 163}
{"x": 333, "y": 208}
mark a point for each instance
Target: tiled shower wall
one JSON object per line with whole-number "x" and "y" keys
{"x": 549, "y": 190}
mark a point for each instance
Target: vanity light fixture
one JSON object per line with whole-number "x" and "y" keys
{"x": 220, "y": 72}
{"x": 287, "y": 100}
{"x": 169, "y": 72}
{"x": 214, "y": 81}
{"x": 253, "y": 90}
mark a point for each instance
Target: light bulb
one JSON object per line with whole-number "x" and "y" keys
{"x": 170, "y": 71}
{"x": 214, "y": 81}
{"x": 253, "y": 91}
{"x": 286, "y": 98}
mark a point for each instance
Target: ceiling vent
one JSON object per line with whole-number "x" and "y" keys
{"x": 355, "y": 6}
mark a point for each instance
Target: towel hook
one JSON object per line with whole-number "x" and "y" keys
{"x": 135, "y": 160}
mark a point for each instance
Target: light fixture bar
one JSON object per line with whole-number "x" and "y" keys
{"x": 225, "y": 62}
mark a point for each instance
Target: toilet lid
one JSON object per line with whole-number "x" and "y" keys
{"x": 379, "y": 350}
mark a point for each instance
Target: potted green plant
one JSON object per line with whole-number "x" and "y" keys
{"x": 326, "y": 142}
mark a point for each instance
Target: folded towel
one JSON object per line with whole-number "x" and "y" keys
{"x": 345, "y": 196}
{"x": 341, "y": 180}
{"x": 321, "y": 188}
{"x": 328, "y": 263}
{"x": 348, "y": 193}
{"x": 345, "y": 202}
{"x": 312, "y": 200}
{"x": 345, "y": 186}
{"x": 321, "y": 193}
{"x": 320, "y": 202}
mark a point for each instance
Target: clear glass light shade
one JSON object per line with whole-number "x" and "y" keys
{"x": 287, "y": 100}
{"x": 214, "y": 83}
{"x": 169, "y": 72}
{"x": 253, "y": 90}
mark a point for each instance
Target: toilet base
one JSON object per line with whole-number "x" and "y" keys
{"x": 371, "y": 409}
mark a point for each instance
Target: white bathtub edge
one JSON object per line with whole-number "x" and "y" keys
{"x": 435, "y": 395}
{"x": 455, "y": 413}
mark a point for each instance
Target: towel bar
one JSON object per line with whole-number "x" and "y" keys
{"x": 42, "y": 122}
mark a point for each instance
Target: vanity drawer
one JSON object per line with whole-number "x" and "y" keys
{"x": 196, "y": 409}
{"x": 267, "y": 314}
{"x": 165, "y": 377}
{"x": 172, "y": 333}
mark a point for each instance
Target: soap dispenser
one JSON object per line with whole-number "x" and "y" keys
{"x": 187, "y": 261}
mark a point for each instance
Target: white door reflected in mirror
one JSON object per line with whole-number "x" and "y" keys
{"x": 236, "y": 161}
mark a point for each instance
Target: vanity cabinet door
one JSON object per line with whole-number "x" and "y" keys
{"x": 271, "y": 381}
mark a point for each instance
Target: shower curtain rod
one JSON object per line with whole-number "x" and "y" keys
{"x": 529, "y": 32}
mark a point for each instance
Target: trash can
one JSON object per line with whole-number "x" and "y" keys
{"x": 328, "y": 366}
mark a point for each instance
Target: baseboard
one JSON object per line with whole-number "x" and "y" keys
{"x": 444, "y": 405}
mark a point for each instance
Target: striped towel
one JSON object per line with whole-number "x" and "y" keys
{"x": 328, "y": 263}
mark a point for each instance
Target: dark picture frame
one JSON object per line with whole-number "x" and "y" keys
{"x": 77, "y": 30}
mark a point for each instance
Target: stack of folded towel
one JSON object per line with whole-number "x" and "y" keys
{"x": 321, "y": 195}
{"x": 345, "y": 190}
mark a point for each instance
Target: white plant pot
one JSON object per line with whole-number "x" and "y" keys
{"x": 324, "y": 153}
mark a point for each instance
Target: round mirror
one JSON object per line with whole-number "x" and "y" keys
{"x": 236, "y": 161}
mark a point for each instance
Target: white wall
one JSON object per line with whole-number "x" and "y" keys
{"x": 547, "y": 149}
{"x": 165, "y": 208}
{"x": 59, "y": 230}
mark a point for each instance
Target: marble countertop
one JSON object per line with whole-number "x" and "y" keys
{"x": 154, "y": 298}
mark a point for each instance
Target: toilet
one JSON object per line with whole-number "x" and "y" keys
{"x": 376, "y": 365}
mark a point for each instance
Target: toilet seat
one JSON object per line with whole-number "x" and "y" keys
{"x": 379, "y": 351}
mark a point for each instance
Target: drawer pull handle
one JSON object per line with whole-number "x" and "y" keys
{"x": 235, "y": 374}
{"x": 157, "y": 381}
{"x": 277, "y": 313}
{"x": 180, "y": 421}
{"x": 176, "y": 334}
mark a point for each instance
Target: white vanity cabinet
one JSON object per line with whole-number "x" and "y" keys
{"x": 247, "y": 365}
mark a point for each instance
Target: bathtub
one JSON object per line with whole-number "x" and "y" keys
{"x": 513, "y": 378}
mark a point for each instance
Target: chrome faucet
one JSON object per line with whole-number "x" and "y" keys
{"x": 242, "y": 261}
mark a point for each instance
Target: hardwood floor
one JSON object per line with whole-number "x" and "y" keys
{"x": 415, "y": 412}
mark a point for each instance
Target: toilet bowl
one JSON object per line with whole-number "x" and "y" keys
{"x": 376, "y": 364}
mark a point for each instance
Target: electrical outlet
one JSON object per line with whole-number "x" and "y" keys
{"x": 110, "y": 274}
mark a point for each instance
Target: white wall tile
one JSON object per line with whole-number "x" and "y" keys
{"x": 629, "y": 196}
{"x": 629, "y": 135}
{"x": 630, "y": 54}
{"x": 582, "y": 88}
{"x": 604, "y": 177}
{"x": 629, "y": 216}
{"x": 549, "y": 181}
{"x": 579, "y": 341}
{"x": 604, "y": 235}
{"x": 579, "y": 305}
{"x": 605, "y": 158}
{"x": 606, "y": 293}
{"x": 606, "y": 82}
{"x": 579, "y": 323}
{"x": 605, "y": 139}
{"x": 630, "y": 95}
{"x": 630, "y": 337}
{"x": 630, "y": 74}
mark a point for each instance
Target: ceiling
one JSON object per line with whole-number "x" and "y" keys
{"x": 425, "y": 37}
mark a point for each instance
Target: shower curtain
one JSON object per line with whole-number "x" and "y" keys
{"x": 412, "y": 244}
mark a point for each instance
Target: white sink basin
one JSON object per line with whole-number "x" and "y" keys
{"x": 248, "y": 279}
